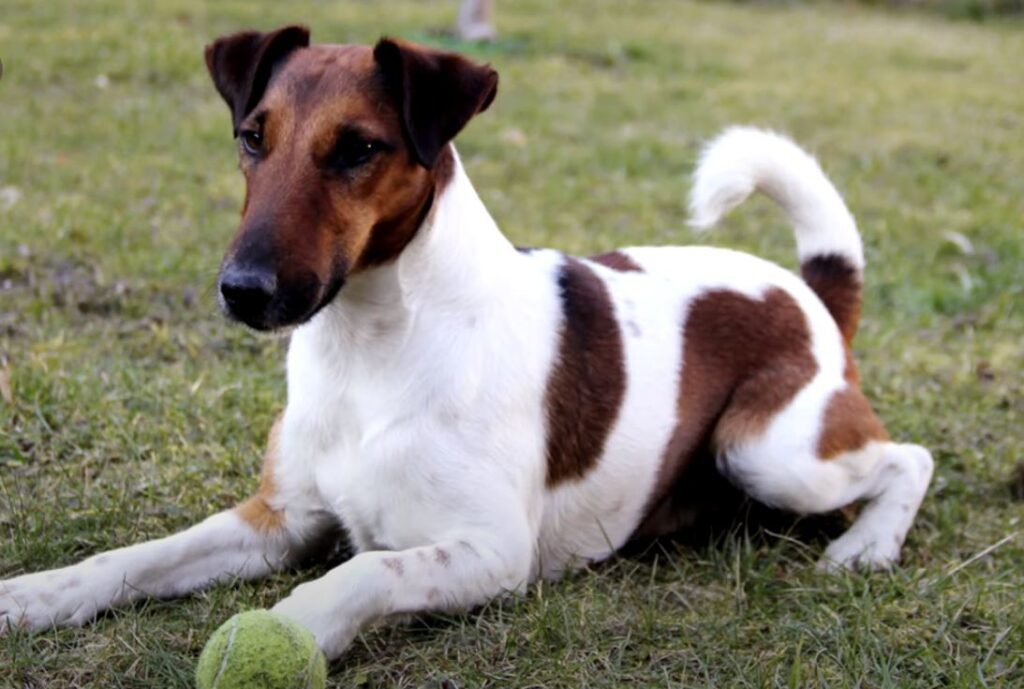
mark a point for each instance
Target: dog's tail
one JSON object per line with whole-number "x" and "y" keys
{"x": 743, "y": 160}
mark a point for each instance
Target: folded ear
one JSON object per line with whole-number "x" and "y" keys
{"x": 437, "y": 93}
{"x": 241, "y": 65}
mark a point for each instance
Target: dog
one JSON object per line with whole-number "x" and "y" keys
{"x": 478, "y": 416}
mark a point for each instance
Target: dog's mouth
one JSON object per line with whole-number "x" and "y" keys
{"x": 281, "y": 309}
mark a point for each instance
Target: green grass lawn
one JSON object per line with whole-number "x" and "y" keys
{"x": 133, "y": 409}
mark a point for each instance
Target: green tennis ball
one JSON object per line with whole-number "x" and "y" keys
{"x": 260, "y": 649}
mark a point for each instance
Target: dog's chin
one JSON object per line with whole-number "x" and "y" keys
{"x": 274, "y": 322}
{"x": 284, "y": 317}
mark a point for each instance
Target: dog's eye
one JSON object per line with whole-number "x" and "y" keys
{"x": 353, "y": 151}
{"x": 252, "y": 142}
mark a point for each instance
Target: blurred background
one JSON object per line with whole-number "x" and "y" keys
{"x": 130, "y": 408}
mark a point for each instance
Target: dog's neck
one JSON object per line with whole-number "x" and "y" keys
{"x": 458, "y": 259}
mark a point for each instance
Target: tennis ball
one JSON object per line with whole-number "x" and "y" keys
{"x": 260, "y": 649}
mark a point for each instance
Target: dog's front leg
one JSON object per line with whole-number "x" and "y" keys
{"x": 456, "y": 573}
{"x": 221, "y": 547}
{"x": 259, "y": 536}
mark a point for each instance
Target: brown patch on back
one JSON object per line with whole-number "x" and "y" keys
{"x": 587, "y": 383}
{"x": 849, "y": 424}
{"x": 838, "y": 284}
{"x": 258, "y": 511}
{"x": 616, "y": 260}
{"x": 744, "y": 359}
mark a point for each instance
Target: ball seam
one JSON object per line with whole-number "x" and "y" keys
{"x": 226, "y": 655}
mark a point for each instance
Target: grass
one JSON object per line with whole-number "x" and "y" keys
{"x": 132, "y": 409}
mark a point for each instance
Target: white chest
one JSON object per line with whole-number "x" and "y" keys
{"x": 370, "y": 432}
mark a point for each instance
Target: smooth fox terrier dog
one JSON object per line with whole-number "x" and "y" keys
{"x": 477, "y": 416}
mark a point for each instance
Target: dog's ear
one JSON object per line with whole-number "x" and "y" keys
{"x": 437, "y": 93}
{"x": 241, "y": 65}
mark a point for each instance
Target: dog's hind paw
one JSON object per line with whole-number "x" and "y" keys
{"x": 851, "y": 553}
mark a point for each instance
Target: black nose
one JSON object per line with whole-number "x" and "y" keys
{"x": 248, "y": 292}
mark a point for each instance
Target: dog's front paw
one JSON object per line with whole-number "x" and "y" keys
{"x": 54, "y": 598}
{"x": 311, "y": 606}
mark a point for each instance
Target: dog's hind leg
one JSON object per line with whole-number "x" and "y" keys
{"x": 893, "y": 491}
{"x": 256, "y": 538}
{"x": 795, "y": 466}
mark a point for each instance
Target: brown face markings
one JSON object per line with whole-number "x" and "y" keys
{"x": 838, "y": 284}
{"x": 257, "y": 511}
{"x": 327, "y": 217}
{"x": 587, "y": 383}
{"x": 743, "y": 360}
{"x": 391, "y": 234}
{"x": 344, "y": 150}
{"x": 616, "y": 260}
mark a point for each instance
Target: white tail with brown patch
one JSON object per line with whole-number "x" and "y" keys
{"x": 744, "y": 160}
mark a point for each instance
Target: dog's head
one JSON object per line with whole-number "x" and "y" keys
{"x": 343, "y": 148}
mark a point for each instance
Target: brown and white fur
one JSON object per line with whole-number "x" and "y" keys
{"x": 477, "y": 416}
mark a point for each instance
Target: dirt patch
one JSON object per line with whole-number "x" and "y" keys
{"x": 1016, "y": 484}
